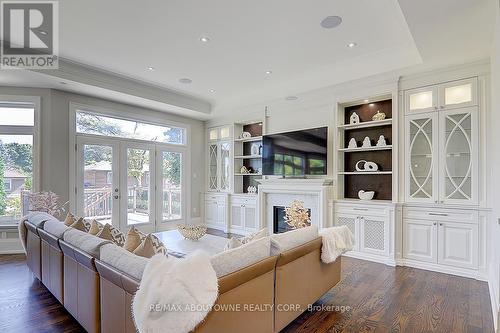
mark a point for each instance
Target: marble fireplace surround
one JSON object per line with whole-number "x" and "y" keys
{"x": 315, "y": 193}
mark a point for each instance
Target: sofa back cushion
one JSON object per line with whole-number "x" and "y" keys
{"x": 245, "y": 255}
{"x": 55, "y": 227}
{"x": 290, "y": 239}
{"x": 38, "y": 218}
{"x": 123, "y": 260}
{"x": 85, "y": 242}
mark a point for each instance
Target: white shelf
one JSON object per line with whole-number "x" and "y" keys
{"x": 245, "y": 157}
{"x": 248, "y": 174}
{"x": 254, "y": 138}
{"x": 365, "y": 173}
{"x": 349, "y": 150}
{"x": 366, "y": 124}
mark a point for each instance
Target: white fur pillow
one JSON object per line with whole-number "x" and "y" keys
{"x": 245, "y": 255}
{"x": 290, "y": 239}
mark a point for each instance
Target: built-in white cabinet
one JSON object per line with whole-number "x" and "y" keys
{"x": 219, "y": 159}
{"x": 371, "y": 224}
{"x": 441, "y": 163}
{"x": 243, "y": 214}
{"x": 441, "y": 236}
{"x": 216, "y": 211}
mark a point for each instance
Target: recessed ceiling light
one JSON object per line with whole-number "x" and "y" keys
{"x": 331, "y": 22}
{"x": 204, "y": 39}
{"x": 371, "y": 104}
{"x": 185, "y": 80}
{"x": 212, "y": 90}
{"x": 351, "y": 45}
{"x": 367, "y": 100}
{"x": 269, "y": 72}
{"x": 291, "y": 98}
{"x": 150, "y": 68}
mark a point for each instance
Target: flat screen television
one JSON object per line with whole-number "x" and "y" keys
{"x": 295, "y": 154}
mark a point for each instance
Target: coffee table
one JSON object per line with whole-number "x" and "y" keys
{"x": 175, "y": 242}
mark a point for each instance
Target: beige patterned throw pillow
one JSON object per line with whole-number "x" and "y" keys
{"x": 95, "y": 227}
{"x": 70, "y": 219}
{"x": 80, "y": 225}
{"x": 146, "y": 248}
{"x": 113, "y": 234}
{"x": 237, "y": 242}
{"x": 133, "y": 240}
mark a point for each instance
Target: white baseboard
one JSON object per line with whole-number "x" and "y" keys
{"x": 469, "y": 273}
{"x": 370, "y": 257}
{"x": 492, "y": 286}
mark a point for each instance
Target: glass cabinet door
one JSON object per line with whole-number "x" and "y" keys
{"x": 421, "y": 157}
{"x": 458, "y": 94}
{"x": 213, "y": 167}
{"x": 225, "y": 176}
{"x": 421, "y": 100}
{"x": 458, "y": 156}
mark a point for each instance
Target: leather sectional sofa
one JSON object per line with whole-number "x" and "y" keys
{"x": 95, "y": 280}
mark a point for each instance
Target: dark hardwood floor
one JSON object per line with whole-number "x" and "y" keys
{"x": 374, "y": 297}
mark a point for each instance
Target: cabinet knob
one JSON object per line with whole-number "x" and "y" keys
{"x": 440, "y": 224}
{"x": 435, "y": 223}
{"x": 442, "y": 106}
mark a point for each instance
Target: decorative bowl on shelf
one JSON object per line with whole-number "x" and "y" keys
{"x": 191, "y": 231}
{"x": 366, "y": 195}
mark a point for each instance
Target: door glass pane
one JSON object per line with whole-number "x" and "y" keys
{"x": 458, "y": 147}
{"x": 16, "y": 176}
{"x": 138, "y": 176}
{"x": 421, "y": 100}
{"x": 225, "y": 167}
{"x": 98, "y": 182}
{"x": 458, "y": 94}
{"x": 212, "y": 167}
{"x": 421, "y": 158}
{"x": 171, "y": 184}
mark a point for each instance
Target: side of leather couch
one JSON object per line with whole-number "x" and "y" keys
{"x": 52, "y": 264}
{"x": 301, "y": 279}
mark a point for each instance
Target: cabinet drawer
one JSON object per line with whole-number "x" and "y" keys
{"x": 243, "y": 201}
{"x": 441, "y": 214}
{"x": 361, "y": 210}
{"x": 219, "y": 198}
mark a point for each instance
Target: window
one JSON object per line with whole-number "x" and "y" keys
{"x": 109, "y": 178}
{"x": 8, "y": 185}
{"x": 17, "y": 129}
{"x": 89, "y": 123}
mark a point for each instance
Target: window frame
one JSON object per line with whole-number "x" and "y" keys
{"x": 34, "y": 131}
{"x": 8, "y": 189}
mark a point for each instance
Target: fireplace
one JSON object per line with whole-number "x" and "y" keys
{"x": 279, "y": 224}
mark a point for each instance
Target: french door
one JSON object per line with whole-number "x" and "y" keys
{"x": 130, "y": 183}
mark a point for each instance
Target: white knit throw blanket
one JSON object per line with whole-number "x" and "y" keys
{"x": 336, "y": 241}
{"x": 175, "y": 294}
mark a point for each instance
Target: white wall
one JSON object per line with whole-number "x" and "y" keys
{"x": 55, "y": 138}
{"x": 494, "y": 156}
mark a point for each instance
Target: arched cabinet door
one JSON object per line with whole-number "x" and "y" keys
{"x": 422, "y": 157}
{"x": 458, "y": 155}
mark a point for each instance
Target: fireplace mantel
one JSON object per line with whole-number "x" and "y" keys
{"x": 314, "y": 192}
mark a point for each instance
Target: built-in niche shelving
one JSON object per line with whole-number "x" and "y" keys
{"x": 244, "y": 156}
{"x": 350, "y": 180}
